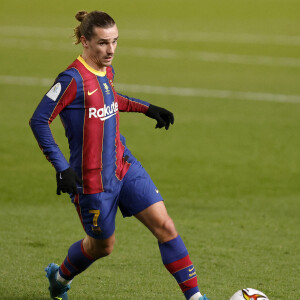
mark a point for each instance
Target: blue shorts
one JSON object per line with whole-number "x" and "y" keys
{"x": 135, "y": 192}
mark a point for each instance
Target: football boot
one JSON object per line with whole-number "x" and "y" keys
{"x": 57, "y": 290}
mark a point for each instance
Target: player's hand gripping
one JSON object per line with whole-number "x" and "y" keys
{"x": 161, "y": 115}
{"x": 66, "y": 181}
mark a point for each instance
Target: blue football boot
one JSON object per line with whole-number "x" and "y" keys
{"x": 57, "y": 290}
{"x": 203, "y": 298}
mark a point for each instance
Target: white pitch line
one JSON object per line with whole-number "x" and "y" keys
{"x": 212, "y": 57}
{"x": 133, "y": 34}
{"x": 25, "y": 80}
{"x": 208, "y": 93}
{"x": 215, "y": 57}
{"x": 160, "y": 90}
{"x": 214, "y": 37}
{"x": 40, "y": 44}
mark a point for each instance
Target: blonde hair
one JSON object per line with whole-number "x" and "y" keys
{"x": 90, "y": 20}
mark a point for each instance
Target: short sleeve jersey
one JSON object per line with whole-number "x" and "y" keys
{"x": 89, "y": 107}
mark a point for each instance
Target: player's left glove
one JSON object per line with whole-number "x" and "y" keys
{"x": 66, "y": 181}
{"x": 161, "y": 115}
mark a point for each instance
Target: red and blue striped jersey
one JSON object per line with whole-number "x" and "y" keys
{"x": 89, "y": 107}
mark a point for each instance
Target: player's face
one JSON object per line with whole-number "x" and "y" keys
{"x": 101, "y": 47}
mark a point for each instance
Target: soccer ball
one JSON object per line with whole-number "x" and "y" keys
{"x": 249, "y": 294}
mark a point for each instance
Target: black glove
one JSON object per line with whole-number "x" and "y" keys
{"x": 66, "y": 181}
{"x": 161, "y": 115}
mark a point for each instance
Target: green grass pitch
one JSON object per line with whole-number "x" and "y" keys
{"x": 228, "y": 169}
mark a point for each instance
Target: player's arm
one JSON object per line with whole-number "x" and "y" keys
{"x": 61, "y": 94}
{"x": 163, "y": 117}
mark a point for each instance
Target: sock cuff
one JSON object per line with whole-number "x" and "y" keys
{"x": 77, "y": 250}
{"x": 172, "y": 250}
{"x": 65, "y": 273}
{"x": 85, "y": 254}
{"x": 76, "y": 261}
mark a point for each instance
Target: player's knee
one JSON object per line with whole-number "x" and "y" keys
{"x": 99, "y": 251}
{"x": 100, "y": 248}
{"x": 169, "y": 227}
{"x": 167, "y": 230}
{"x": 105, "y": 251}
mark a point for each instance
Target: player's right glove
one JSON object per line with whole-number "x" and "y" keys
{"x": 66, "y": 181}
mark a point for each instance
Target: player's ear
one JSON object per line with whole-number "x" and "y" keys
{"x": 83, "y": 41}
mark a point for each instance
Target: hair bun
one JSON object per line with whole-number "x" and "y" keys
{"x": 80, "y": 15}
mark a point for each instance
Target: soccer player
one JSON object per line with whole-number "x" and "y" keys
{"x": 102, "y": 174}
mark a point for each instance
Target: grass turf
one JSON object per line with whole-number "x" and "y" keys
{"x": 228, "y": 169}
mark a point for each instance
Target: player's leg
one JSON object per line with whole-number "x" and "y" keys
{"x": 82, "y": 254}
{"x": 98, "y": 248}
{"x": 98, "y": 242}
{"x": 157, "y": 220}
{"x": 173, "y": 251}
{"x": 141, "y": 198}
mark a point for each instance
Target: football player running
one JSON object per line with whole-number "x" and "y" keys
{"x": 102, "y": 174}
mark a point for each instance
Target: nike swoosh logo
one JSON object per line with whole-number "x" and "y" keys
{"x": 58, "y": 298}
{"x": 190, "y": 270}
{"x": 60, "y": 176}
{"x": 91, "y": 93}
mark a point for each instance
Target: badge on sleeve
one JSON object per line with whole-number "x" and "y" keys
{"x": 54, "y": 92}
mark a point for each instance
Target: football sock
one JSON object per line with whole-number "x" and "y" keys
{"x": 176, "y": 259}
{"x": 76, "y": 261}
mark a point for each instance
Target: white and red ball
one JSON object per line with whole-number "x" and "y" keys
{"x": 249, "y": 294}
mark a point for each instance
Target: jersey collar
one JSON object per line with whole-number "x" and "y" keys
{"x": 98, "y": 73}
